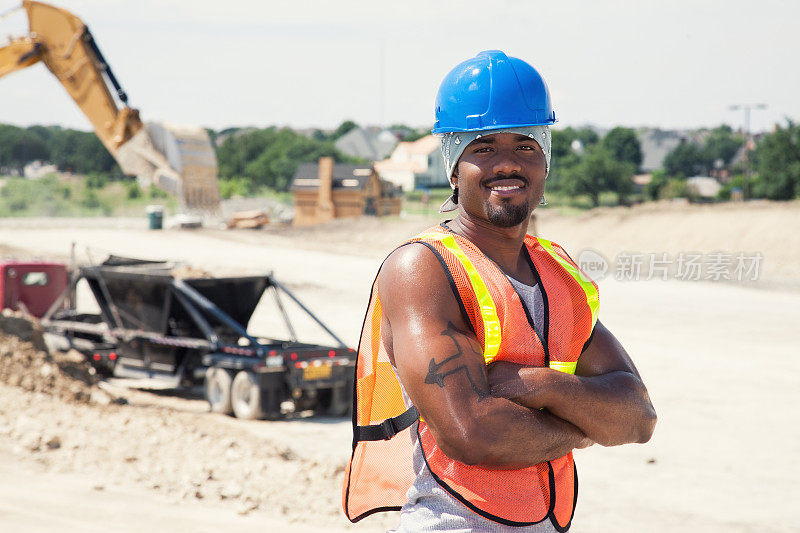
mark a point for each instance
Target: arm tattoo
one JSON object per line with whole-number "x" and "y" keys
{"x": 436, "y": 374}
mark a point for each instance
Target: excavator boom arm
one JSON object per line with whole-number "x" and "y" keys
{"x": 65, "y": 45}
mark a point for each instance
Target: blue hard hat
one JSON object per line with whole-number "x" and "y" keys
{"x": 492, "y": 91}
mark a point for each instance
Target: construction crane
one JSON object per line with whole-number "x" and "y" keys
{"x": 178, "y": 159}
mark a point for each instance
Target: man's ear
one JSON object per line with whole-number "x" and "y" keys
{"x": 454, "y": 177}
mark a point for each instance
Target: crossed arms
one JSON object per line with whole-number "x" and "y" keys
{"x": 495, "y": 418}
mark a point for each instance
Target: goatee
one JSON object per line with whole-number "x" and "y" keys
{"x": 508, "y": 215}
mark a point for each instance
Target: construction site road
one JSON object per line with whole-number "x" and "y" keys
{"x": 719, "y": 359}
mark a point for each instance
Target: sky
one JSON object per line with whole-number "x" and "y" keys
{"x": 674, "y": 65}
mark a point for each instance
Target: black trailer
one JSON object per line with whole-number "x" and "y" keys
{"x": 190, "y": 329}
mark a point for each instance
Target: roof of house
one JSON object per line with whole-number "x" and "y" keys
{"x": 655, "y": 145}
{"x": 422, "y": 146}
{"x": 345, "y": 176}
{"x": 371, "y": 143}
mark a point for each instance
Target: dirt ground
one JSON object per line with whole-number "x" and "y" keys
{"x": 719, "y": 359}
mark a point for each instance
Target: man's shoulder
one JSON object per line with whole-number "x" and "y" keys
{"x": 411, "y": 260}
{"x": 410, "y": 275}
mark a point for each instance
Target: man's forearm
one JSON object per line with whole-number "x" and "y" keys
{"x": 507, "y": 435}
{"x": 611, "y": 409}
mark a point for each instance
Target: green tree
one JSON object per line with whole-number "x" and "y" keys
{"x": 560, "y": 141}
{"x": 133, "y": 190}
{"x": 80, "y": 152}
{"x": 587, "y": 136}
{"x": 623, "y": 144}
{"x": 658, "y": 180}
{"x": 343, "y": 128}
{"x": 686, "y": 159}
{"x": 269, "y": 157}
{"x": 598, "y": 171}
{"x": 19, "y": 147}
{"x": 674, "y": 188}
{"x": 778, "y": 161}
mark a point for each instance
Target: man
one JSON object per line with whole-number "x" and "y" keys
{"x": 482, "y": 364}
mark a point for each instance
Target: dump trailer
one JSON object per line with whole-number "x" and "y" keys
{"x": 160, "y": 321}
{"x": 178, "y": 159}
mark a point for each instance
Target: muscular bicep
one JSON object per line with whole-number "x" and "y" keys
{"x": 438, "y": 358}
{"x": 603, "y": 355}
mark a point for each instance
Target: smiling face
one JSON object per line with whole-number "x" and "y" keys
{"x": 500, "y": 179}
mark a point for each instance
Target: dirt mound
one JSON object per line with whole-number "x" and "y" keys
{"x": 24, "y": 363}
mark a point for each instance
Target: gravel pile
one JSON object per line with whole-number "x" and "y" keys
{"x": 25, "y": 363}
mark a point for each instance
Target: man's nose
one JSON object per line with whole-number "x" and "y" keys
{"x": 506, "y": 162}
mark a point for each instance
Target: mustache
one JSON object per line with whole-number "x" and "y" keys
{"x": 503, "y": 176}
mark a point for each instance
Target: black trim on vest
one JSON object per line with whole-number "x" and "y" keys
{"x": 389, "y": 427}
{"x": 545, "y": 301}
{"x": 452, "y": 281}
{"x": 589, "y": 340}
{"x": 591, "y": 335}
{"x": 373, "y": 511}
{"x": 473, "y": 508}
{"x": 552, "y": 515}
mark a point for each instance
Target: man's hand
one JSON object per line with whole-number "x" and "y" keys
{"x": 506, "y": 381}
{"x": 525, "y": 385}
{"x": 606, "y": 399}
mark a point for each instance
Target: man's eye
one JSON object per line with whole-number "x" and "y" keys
{"x": 483, "y": 150}
{"x": 525, "y": 147}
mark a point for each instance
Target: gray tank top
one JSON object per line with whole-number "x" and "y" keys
{"x": 531, "y": 297}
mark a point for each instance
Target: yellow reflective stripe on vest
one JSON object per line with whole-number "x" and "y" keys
{"x": 567, "y": 367}
{"x": 491, "y": 323}
{"x": 587, "y": 286}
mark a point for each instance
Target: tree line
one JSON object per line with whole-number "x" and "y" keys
{"x": 69, "y": 150}
{"x": 583, "y": 163}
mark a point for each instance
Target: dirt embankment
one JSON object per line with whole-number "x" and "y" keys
{"x": 25, "y": 363}
{"x": 758, "y": 227}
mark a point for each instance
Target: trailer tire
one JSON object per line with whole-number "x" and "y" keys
{"x": 217, "y": 390}
{"x": 246, "y": 396}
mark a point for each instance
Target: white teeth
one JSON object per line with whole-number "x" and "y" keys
{"x": 506, "y": 188}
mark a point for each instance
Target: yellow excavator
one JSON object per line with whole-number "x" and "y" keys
{"x": 177, "y": 159}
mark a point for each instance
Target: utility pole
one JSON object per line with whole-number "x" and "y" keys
{"x": 747, "y": 142}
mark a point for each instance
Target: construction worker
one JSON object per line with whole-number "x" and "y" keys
{"x": 482, "y": 364}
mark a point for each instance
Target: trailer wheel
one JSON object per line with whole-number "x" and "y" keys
{"x": 217, "y": 389}
{"x": 246, "y": 396}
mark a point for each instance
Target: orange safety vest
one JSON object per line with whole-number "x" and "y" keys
{"x": 380, "y": 470}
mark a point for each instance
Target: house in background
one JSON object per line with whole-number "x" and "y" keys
{"x": 327, "y": 190}
{"x": 655, "y": 145}
{"x": 372, "y": 144}
{"x": 415, "y": 165}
